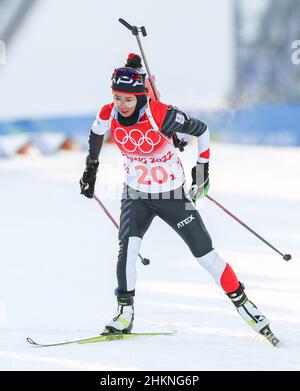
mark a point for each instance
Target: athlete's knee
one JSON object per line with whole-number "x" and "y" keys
{"x": 200, "y": 248}
{"x": 213, "y": 263}
{"x": 133, "y": 248}
{"x": 129, "y": 249}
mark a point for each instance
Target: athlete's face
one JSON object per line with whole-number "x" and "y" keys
{"x": 126, "y": 104}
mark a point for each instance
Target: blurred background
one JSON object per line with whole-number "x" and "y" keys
{"x": 232, "y": 63}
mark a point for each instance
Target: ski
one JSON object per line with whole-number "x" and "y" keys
{"x": 104, "y": 337}
{"x": 100, "y": 338}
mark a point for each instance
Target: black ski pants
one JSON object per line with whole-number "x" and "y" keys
{"x": 137, "y": 212}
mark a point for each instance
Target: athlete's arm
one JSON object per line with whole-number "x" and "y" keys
{"x": 180, "y": 122}
{"x": 96, "y": 138}
{"x": 95, "y": 145}
{"x": 98, "y": 130}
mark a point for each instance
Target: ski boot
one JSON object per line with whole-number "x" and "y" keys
{"x": 251, "y": 314}
{"x": 122, "y": 321}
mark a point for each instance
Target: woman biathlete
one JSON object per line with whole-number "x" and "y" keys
{"x": 143, "y": 130}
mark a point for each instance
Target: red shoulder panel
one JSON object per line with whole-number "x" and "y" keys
{"x": 159, "y": 111}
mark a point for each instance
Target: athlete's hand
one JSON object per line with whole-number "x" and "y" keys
{"x": 88, "y": 180}
{"x": 200, "y": 181}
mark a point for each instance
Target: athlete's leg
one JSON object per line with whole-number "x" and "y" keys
{"x": 186, "y": 221}
{"x": 181, "y": 215}
{"x": 135, "y": 219}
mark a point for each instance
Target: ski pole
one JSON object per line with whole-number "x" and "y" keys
{"x": 144, "y": 261}
{"x": 286, "y": 257}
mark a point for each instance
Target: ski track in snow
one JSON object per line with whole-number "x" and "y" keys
{"x": 59, "y": 253}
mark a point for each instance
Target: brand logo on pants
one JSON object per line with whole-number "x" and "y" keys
{"x": 185, "y": 221}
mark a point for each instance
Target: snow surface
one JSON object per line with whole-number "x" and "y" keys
{"x": 58, "y": 258}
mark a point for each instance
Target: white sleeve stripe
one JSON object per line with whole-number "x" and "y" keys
{"x": 203, "y": 145}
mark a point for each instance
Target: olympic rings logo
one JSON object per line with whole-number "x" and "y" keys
{"x": 137, "y": 140}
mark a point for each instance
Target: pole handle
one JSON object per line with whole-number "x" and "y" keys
{"x": 126, "y": 24}
{"x": 133, "y": 29}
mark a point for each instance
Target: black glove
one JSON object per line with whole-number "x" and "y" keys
{"x": 88, "y": 180}
{"x": 200, "y": 183}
